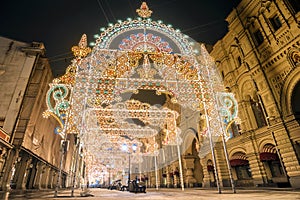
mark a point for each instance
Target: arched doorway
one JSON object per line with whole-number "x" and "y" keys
{"x": 269, "y": 157}
{"x": 295, "y": 102}
{"x": 211, "y": 173}
{"x": 241, "y": 169}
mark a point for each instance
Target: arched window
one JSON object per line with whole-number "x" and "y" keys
{"x": 294, "y": 57}
{"x": 258, "y": 113}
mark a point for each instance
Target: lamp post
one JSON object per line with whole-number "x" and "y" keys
{"x": 126, "y": 149}
{"x": 128, "y": 168}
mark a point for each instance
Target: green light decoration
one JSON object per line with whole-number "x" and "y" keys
{"x": 58, "y": 104}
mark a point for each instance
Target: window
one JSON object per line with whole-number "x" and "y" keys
{"x": 239, "y": 61}
{"x": 276, "y": 23}
{"x": 258, "y": 37}
{"x": 258, "y": 113}
{"x": 275, "y": 168}
{"x": 243, "y": 172}
{"x": 235, "y": 129}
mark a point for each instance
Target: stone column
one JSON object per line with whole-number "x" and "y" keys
{"x": 188, "y": 165}
{"x": 3, "y": 157}
{"x": 32, "y": 175}
{"x": 206, "y": 175}
{"x": 37, "y": 180}
{"x": 45, "y": 176}
{"x": 152, "y": 179}
{"x": 27, "y": 174}
{"x": 50, "y": 178}
{"x": 16, "y": 173}
{"x": 54, "y": 179}
{"x": 176, "y": 176}
{"x": 168, "y": 177}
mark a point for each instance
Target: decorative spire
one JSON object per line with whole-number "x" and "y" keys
{"x": 144, "y": 11}
{"x": 82, "y": 50}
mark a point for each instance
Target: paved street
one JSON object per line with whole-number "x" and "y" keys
{"x": 163, "y": 194}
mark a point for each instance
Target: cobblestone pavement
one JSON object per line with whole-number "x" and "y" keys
{"x": 161, "y": 194}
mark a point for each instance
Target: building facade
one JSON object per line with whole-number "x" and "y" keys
{"x": 258, "y": 60}
{"x": 30, "y": 151}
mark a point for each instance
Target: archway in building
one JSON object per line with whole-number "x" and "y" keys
{"x": 295, "y": 101}
{"x": 211, "y": 173}
{"x": 241, "y": 169}
{"x": 190, "y": 149}
{"x": 274, "y": 170}
{"x": 198, "y": 169}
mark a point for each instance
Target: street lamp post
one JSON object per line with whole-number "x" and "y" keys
{"x": 128, "y": 168}
{"x": 126, "y": 149}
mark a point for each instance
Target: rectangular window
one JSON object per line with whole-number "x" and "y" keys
{"x": 258, "y": 37}
{"x": 276, "y": 23}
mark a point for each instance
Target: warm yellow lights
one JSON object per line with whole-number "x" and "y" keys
{"x": 144, "y": 11}
{"x": 82, "y": 50}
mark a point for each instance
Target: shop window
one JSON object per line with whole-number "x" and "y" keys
{"x": 276, "y": 23}
{"x": 275, "y": 168}
{"x": 258, "y": 37}
{"x": 243, "y": 172}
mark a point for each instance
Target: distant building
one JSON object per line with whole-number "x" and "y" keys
{"x": 29, "y": 149}
{"x": 259, "y": 61}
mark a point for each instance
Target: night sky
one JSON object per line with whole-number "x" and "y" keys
{"x": 59, "y": 24}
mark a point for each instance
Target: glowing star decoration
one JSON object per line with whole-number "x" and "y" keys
{"x": 82, "y": 50}
{"x": 144, "y": 11}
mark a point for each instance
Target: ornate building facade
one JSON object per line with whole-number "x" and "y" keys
{"x": 30, "y": 151}
{"x": 258, "y": 60}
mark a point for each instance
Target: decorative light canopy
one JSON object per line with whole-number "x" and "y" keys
{"x": 132, "y": 56}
